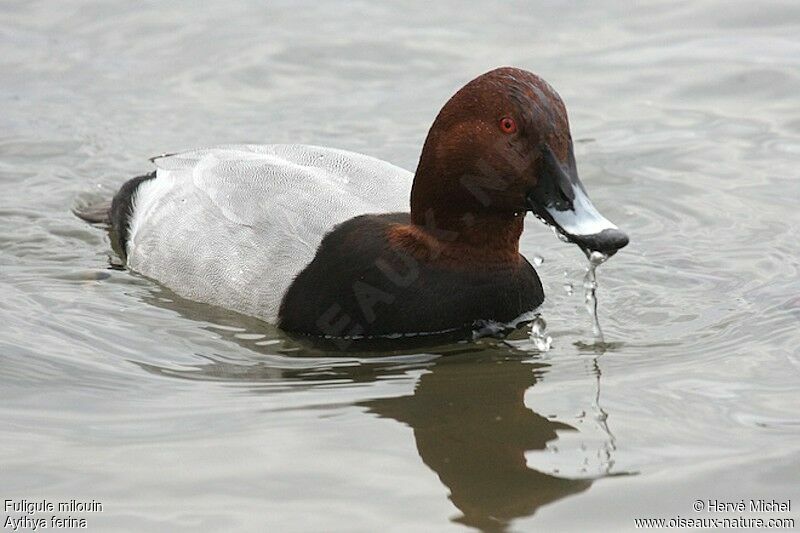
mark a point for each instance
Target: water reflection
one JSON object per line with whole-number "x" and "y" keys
{"x": 472, "y": 428}
{"x": 468, "y": 414}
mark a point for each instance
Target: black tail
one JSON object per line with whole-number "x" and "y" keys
{"x": 115, "y": 213}
{"x": 94, "y": 213}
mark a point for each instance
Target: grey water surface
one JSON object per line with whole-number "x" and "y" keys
{"x": 183, "y": 417}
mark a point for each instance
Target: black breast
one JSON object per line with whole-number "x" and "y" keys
{"x": 359, "y": 285}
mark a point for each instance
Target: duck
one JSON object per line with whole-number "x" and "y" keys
{"x": 331, "y": 243}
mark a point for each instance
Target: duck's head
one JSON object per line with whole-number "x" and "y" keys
{"x": 500, "y": 147}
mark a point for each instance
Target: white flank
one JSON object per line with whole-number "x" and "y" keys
{"x": 233, "y": 225}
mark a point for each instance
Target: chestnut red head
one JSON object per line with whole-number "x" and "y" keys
{"x": 499, "y": 147}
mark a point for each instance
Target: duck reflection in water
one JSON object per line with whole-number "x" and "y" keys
{"x": 472, "y": 428}
{"x": 467, "y": 412}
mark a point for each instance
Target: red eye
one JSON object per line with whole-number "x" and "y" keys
{"x": 508, "y": 125}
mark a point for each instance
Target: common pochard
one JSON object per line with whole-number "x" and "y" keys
{"x": 321, "y": 241}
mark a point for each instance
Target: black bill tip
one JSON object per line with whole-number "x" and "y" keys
{"x": 608, "y": 241}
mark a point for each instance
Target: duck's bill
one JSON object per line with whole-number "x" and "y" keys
{"x": 560, "y": 200}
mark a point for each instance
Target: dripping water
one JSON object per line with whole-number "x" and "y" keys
{"x": 590, "y": 288}
{"x": 541, "y": 340}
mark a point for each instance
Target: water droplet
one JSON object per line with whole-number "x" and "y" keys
{"x": 538, "y": 260}
{"x": 541, "y": 340}
{"x": 561, "y": 236}
{"x": 597, "y": 258}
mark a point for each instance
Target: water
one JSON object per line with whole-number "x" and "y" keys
{"x": 539, "y": 337}
{"x": 181, "y": 417}
{"x": 590, "y": 291}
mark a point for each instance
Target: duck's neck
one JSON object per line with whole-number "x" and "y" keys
{"x": 452, "y": 212}
{"x": 465, "y": 239}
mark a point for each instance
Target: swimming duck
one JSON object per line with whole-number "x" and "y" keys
{"x": 320, "y": 241}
